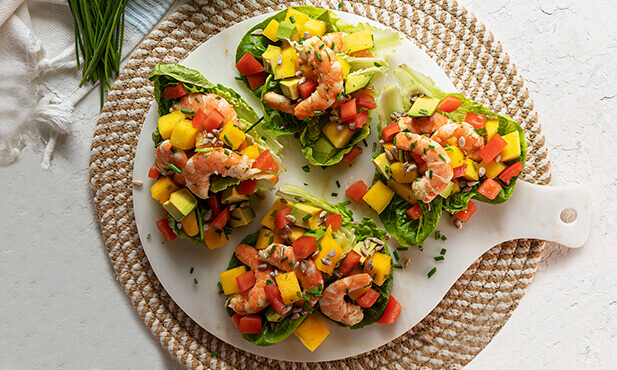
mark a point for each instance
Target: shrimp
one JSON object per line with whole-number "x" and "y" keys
{"x": 254, "y": 299}
{"x": 334, "y": 41}
{"x": 166, "y": 154}
{"x": 466, "y": 136}
{"x": 207, "y": 102}
{"x": 279, "y": 102}
{"x": 424, "y": 125}
{"x": 310, "y": 278}
{"x": 217, "y": 161}
{"x": 329, "y": 81}
{"x": 439, "y": 168}
{"x": 279, "y": 255}
{"x": 333, "y": 304}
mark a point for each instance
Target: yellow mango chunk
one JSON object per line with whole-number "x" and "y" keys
{"x": 289, "y": 286}
{"x": 163, "y": 187}
{"x": 267, "y": 237}
{"x": 232, "y": 135}
{"x": 190, "y": 225}
{"x": 298, "y": 17}
{"x": 355, "y": 294}
{"x": 167, "y": 123}
{"x": 358, "y": 41}
{"x": 493, "y": 169}
{"x": 471, "y": 173}
{"x": 215, "y": 238}
{"x": 403, "y": 190}
{"x": 270, "y": 57}
{"x": 228, "y": 279}
{"x": 338, "y": 138}
{"x": 270, "y": 30}
{"x": 326, "y": 245}
{"x": 378, "y": 196}
{"x": 313, "y": 27}
{"x": 456, "y": 156}
{"x": 400, "y": 175}
{"x": 457, "y": 188}
{"x": 491, "y": 127}
{"x": 251, "y": 151}
{"x": 183, "y": 135}
{"x": 296, "y": 232}
{"x": 513, "y": 149}
{"x": 379, "y": 266}
{"x": 312, "y": 332}
{"x": 345, "y": 66}
{"x": 289, "y": 64}
{"x": 268, "y": 220}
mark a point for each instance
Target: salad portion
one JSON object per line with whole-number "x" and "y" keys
{"x": 313, "y": 74}
{"x": 309, "y": 257}
{"x": 210, "y": 157}
{"x": 438, "y": 152}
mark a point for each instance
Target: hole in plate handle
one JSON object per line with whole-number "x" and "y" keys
{"x": 568, "y": 216}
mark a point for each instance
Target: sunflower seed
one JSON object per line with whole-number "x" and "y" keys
{"x": 245, "y": 204}
{"x": 364, "y": 251}
{"x": 179, "y": 226}
{"x": 209, "y": 135}
{"x": 481, "y": 171}
{"x": 388, "y": 236}
{"x": 497, "y": 159}
{"x": 257, "y": 32}
{"x": 315, "y": 254}
{"x": 472, "y": 184}
{"x": 138, "y": 183}
{"x": 461, "y": 141}
{"x": 286, "y": 310}
{"x": 302, "y": 80}
{"x": 340, "y": 127}
{"x": 356, "y": 222}
{"x": 394, "y": 150}
{"x": 260, "y": 195}
{"x": 290, "y": 218}
{"x": 407, "y": 263}
{"x": 389, "y": 155}
{"x": 369, "y": 265}
{"x": 331, "y": 254}
{"x": 381, "y": 142}
{"x": 334, "y": 118}
{"x": 301, "y": 200}
{"x": 206, "y": 227}
{"x": 299, "y": 73}
{"x": 462, "y": 183}
{"x": 295, "y": 316}
{"x": 352, "y": 126}
{"x": 233, "y": 206}
{"x": 296, "y": 309}
{"x": 262, "y": 266}
{"x": 337, "y": 273}
{"x": 323, "y": 214}
{"x": 284, "y": 236}
{"x": 303, "y": 265}
{"x": 326, "y": 261}
{"x": 458, "y": 223}
{"x": 467, "y": 189}
{"x": 287, "y": 229}
{"x": 367, "y": 243}
{"x": 428, "y": 207}
{"x": 216, "y": 132}
{"x": 307, "y": 34}
{"x": 279, "y": 60}
{"x": 268, "y": 64}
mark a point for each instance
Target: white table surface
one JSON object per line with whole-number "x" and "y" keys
{"x": 62, "y": 307}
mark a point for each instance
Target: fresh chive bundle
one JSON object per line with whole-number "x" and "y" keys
{"x": 99, "y": 31}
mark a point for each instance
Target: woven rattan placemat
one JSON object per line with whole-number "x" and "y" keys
{"x": 475, "y": 308}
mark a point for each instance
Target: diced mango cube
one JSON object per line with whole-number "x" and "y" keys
{"x": 312, "y": 332}
{"x": 289, "y": 287}
{"x": 270, "y": 30}
{"x": 289, "y": 64}
{"x": 403, "y": 190}
{"x": 378, "y": 196}
{"x": 513, "y": 148}
{"x": 268, "y": 220}
{"x": 313, "y": 27}
{"x": 270, "y": 57}
{"x": 267, "y": 237}
{"x": 379, "y": 266}
{"x": 228, "y": 279}
{"x": 298, "y": 16}
{"x": 183, "y": 135}
{"x": 214, "y": 238}
{"x": 251, "y": 151}
{"x": 456, "y": 155}
{"x": 358, "y": 41}
{"x": 457, "y": 188}
{"x": 400, "y": 175}
{"x": 326, "y": 245}
{"x": 296, "y": 232}
{"x": 338, "y": 138}
{"x": 167, "y": 123}
{"x": 345, "y": 66}
{"x": 163, "y": 187}
{"x": 232, "y": 135}
{"x": 471, "y": 172}
{"x": 190, "y": 225}
{"x": 493, "y": 169}
{"x": 491, "y": 127}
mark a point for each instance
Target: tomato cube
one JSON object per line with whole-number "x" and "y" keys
{"x": 246, "y": 187}
{"x": 391, "y": 313}
{"x": 274, "y": 297}
{"x": 465, "y": 214}
{"x": 349, "y": 263}
{"x": 449, "y": 104}
{"x": 366, "y": 101}
{"x": 335, "y": 220}
{"x": 459, "y": 171}
{"x": 256, "y": 80}
{"x": 388, "y": 132}
{"x": 246, "y": 281}
{"x": 214, "y": 204}
{"x": 199, "y": 118}
{"x": 511, "y": 171}
{"x": 414, "y": 212}
{"x": 352, "y": 154}
{"x": 265, "y": 162}
{"x": 476, "y": 120}
{"x": 213, "y": 120}
{"x": 235, "y": 320}
{"x": 306, "y": 88}
{"x": 359, "y": 120}
{"x": 304, "y": 246}
{"x": 280, "y": 217}
{"x": 368, "y": 299}
{"x": 154, "y": 172}
{"x": 165, "y": 229}
{"x": 492, "y": 148}
{"x": 348, "y": 110}
{"x": 250, "y": 324}
{"x": 418, "y": 159}
{"x": 357, "y": 190}
{"x": 489, "y": 188}
{"x": 248, "y": 65}
{"x": 174, "y": 92}
{"x": 179, "y": 179}
{"x": 221, "y": 219}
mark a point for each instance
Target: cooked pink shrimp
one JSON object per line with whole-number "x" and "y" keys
{"x": 254, "y": 299}
{"x": 439, "y": 168}
{"x": 217, "y": 161}
{"x": 208, "y": 102}
{"x": 467, "y": 138}
{"x": 279, "y": 255}
{"x": 424, "y": 125}
{"x": 166, "y": 154}
{"x": 310, "y": 278}
{"x": 278, "y": 102}
{"x": 334, "y": 41}
{"x": 329, "y": 83}
{"x": 333, "y": 304}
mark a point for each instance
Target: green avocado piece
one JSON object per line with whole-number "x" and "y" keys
{"x": 241, "y": 216}
{"x": 383, "y": 165}
{"x": 288, "y": 31}
{"x": 357, "y": 81}
{"x": 358, "y": 249}
{"x": 273, "y": 316}
{"x": 424, "y": 106}
{"x": 323, "y": 149}
{"x": 180, "y": 204}
{"x": 230, "y": 195}
{"x": 447, "y": 190}
{"x": 290, "y": 88}
{"x": 307, "y": 215}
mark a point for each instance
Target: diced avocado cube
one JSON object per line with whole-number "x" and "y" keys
{"x": 323, "y": 149}
{"x": 241, "y": 216}
{"x": 306, "y": 215}
{"x": 180, "y": 204}
{"x": 295, "y": 16}
{"x": 270, "y": 57}
{"x": 273, "y": 316}
{"x": 289, "y": 64}
{"x": 230, "y": 195}
{"x": 338, "y": 138}
{"x": 290, "y": 88}
{"x": 270, "y": 30}
{"x": 447, "y": 191}
{"x": 288, "y": 31}
{"x": 325, "y": 17}
{"x": 356, "y": 81}
{"x": 403, "y": 190}
{"x": 358, "y": 249}
{"x": 424, "y": 106}
{"x": 357, "y": 41}
{"x": 383, "y": 165}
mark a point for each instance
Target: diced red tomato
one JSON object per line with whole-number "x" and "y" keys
{"x": 165, "y": 229}
{"x": 489, "y": 188}
{"x": 335, "y": 220}
{"x": 414, "y": 212}
{"x": 173, "y": 92}
{"x": 213, "y": 120}
{"x": 248, "y": 65}
{"x": 357, "y": 190}
{"x": 265, "y": 162}
{"x": 199, "y": 118}
{"x": 359, "y": 120}
{"x": 390, "y": 131}
{"x": 221, "y": 219}
{"x": 179, "y": 179}
{"x": 368, "y": 299}
{"x": 352, "y": 154}
{"x": 418, "y": 159}
{"x": 492, "y": 148}
{"x": 244, "y": 144}
{"x": 306, "y": 88}
{"x": 304, "y": 246}
{"x": 348, "y": 110}
{"x": 366, "y": 100}
{"x": 390, "y": 314}
{"x": 280, "y": 217}
{"x": 349, "y": 263}
{"x": 476, "y": 120}
{"x": 459, "y": 171}
{"x": 250, "y": 324}
{"x": 214, "y": 204}
{"x": 246, "y": 187}
{"x": 246, "y": 281}
{"x": 154, "y": 172}
{"x": 511, "y": 171}
{"x": 274, "y": 297}
{"x": 465, "y": 214}
{"x": 449, "y": 104}
{"x": 256, "y": 80}
{"x": 235, "y": 320}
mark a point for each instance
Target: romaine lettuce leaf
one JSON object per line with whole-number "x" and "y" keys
{"x": 406, "y": 231}
{"x": 293, "y": 193}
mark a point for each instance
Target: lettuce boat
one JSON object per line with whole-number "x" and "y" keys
{"x": 270, "y": 59}
{"x": 207, "y": 219}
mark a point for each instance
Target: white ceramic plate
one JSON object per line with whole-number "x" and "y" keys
{"x": 172, "y": 262}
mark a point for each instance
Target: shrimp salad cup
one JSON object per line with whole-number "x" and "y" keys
{"x": 210, "y": 157}
{"x": 310, "y": 262}
{"x": 313, "y": 74}
{"x": 438, "y": 151}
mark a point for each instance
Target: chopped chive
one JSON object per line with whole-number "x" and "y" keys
{"x": 334, "y": 194}
{"x": 254, "y": 124}
{"x": 271, "y": 239}
{"x": 238, "y": 78}
{"x": 345, "y": 203}
{"x": 149, "y": 236}
{"x": 307, "y": 217}
{"x": 431, "y": 146}
{"x": 421, "y": 248}
{"x": 226, "y": 152}
{"x": 187, "y": 111}
{"x": 443, "y": 251}
{"x": 397, "y": 266}
{"x": 284, "y": 259}
{"x": 444, "y": 238}
{"x": 305, "y": 184}
{"x": 340, "y": 5}
{"x": 377, "y": 64}
{"x": 292, "y": 19}
{"x": 432, "y": 272}
{"x": 319, "y": 247}
{"x": 442, "y": 158}
{"x": 306, "y": 168}
{"x": 365, "y": 143}
{"x": 197, "y": 99}
{"x": 318, "y": 56}
{"x": 375, "y": 155}
{"x": 338, "y": 184}
{"x": 221, "y": 291}
{"x": 269, "y": 282}
{"x": 227, "y": 141}
{"x": 272, "y": 215}
{"x": 290, "y": 263}
{"x": 305, "y": 297}
{"x": 169, "y": 187}
{"x": 306, "y": 305}
{"x": 195, "y": 281}
{"x": 299, "y": 294}
{"x": 374, "y": 146}
{"x": 395, "y": 253}
{"x": 439, "y": 258}
{"x": 192, "y": 269}
{"x": 317, "y": 112}
{"x": 214, "y": 353}
{"x": 430, "y": 173}
{"x": 424, "y": 150}
{"x": 202, "y": 150}
{"x": 402, "y": 248}
{"x": 321, "y": 46}
{"x": 271, "y": 251}
{"x": 437, "y": 234}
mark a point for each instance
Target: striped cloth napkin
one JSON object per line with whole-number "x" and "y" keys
{"x": 38, "y": 73}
